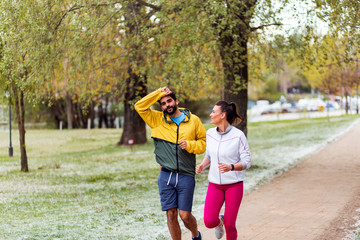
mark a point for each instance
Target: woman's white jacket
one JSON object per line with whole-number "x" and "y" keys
{"x": 229, "y": 147}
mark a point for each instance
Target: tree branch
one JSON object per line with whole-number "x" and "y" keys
{"x": 264, "y": 26}
{"x": 148, "y": 16}
{"x": 75, "y": 8}
{"x": 341, "y": 61}
{"x": 154, "y": 7}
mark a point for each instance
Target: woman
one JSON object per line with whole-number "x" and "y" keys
{"x": 227, "y": 152}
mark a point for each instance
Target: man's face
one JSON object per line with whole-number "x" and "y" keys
{"x": 168, "y": 105}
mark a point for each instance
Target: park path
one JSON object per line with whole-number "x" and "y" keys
{"x": 317, "y": 199}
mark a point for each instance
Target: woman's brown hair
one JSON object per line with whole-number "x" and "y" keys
{"x": 230, "y": 109}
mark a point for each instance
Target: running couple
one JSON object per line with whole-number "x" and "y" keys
{"x": 178, "y": 136}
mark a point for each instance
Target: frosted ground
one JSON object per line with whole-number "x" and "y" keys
{"x": 93, "y": 195}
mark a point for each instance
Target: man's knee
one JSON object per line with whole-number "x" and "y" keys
{"x": 186, "y": 216}
{"x": 172, "y": 214}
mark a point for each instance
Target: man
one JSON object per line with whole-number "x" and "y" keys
{"x": 178, "y": 135}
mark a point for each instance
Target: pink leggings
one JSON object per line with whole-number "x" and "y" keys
{"x": 216, "y": 195}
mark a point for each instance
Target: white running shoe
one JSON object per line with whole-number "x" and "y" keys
{"x": 219, "y": 230}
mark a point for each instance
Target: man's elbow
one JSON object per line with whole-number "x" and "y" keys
{"x": 202, "y": 148}
{"x": 136, "y": 107}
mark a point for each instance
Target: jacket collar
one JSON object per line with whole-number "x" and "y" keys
{"x": 228, "y": 129}
{"x": 184, "y": 110}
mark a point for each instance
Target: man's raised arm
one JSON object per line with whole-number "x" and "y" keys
{"x": 151, "y": 117}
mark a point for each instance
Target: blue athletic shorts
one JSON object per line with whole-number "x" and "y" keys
{"x": 176, "y": 190}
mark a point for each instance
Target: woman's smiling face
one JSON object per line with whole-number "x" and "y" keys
{"x": 216, "y": 115}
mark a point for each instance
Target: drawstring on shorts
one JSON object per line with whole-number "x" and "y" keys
{"x": 177, "y": 179}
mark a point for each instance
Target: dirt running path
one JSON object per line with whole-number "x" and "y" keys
{"x": 317, "y": 199}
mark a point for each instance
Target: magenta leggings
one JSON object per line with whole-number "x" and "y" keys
{"x": 216, "y": 195}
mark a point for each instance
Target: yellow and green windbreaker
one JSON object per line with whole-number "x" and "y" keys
{"x": 167, "y": 133}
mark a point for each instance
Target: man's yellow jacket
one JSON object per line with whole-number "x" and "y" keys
{"x": 167, "y": 133}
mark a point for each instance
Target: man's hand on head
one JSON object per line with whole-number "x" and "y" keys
{"x": 166, "y": 90}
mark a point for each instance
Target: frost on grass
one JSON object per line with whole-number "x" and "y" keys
{"x": 354, "y": 233}
{"x": 99, "y": 191}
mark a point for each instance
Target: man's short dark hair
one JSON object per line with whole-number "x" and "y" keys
{"x": 172, "y": 95}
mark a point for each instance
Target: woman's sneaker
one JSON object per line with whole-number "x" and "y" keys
{"x": 219, "y": 230}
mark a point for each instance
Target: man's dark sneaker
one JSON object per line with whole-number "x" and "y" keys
{"x": 198, "y": 237}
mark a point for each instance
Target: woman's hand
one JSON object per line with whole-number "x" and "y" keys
{"x": 223, "y": 167}
{"x": 199, "y": 168}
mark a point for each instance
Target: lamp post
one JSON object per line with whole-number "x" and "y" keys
{"x": 7, "y": 94}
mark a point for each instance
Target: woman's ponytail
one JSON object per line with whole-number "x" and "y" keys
{"x": 232, "y": 116}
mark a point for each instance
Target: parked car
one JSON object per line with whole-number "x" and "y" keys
{"x": 311, "y": 104}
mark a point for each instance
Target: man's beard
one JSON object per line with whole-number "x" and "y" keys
{"x": 172, "y": 111}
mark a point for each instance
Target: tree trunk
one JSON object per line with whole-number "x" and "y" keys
{"x": 134, "y": 127}
{"x": 87, "y": 117}
{"x": 346, "y": 102}
{"x": 68, "y": 101}
{"x": 102, "y": 113}
{"x": 91, "y": 115}
{"x": 235, "y": 63}
{"x": 69, "y": 113}
{"x": 233, "y": 29}
{"x": 20, "y": 114}
{"x": 57, "y": 111}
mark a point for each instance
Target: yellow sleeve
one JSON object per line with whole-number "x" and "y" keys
{"x": 197, "y": 146}
{"x": 151, "y": 117}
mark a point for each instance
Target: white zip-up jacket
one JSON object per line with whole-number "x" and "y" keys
{"x": 229, "y": 147}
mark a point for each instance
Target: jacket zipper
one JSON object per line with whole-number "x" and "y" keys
{"x": 177, "y": 154}
{"x": 218, "y": 152}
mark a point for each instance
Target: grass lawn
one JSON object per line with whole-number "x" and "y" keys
{"x": 82, "y": 186}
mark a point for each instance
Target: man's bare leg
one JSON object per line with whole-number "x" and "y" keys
{"x": 189, "y": 222}
{"x": 173, "y": 223}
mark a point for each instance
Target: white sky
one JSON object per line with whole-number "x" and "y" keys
{"x": 295, "y": 17}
